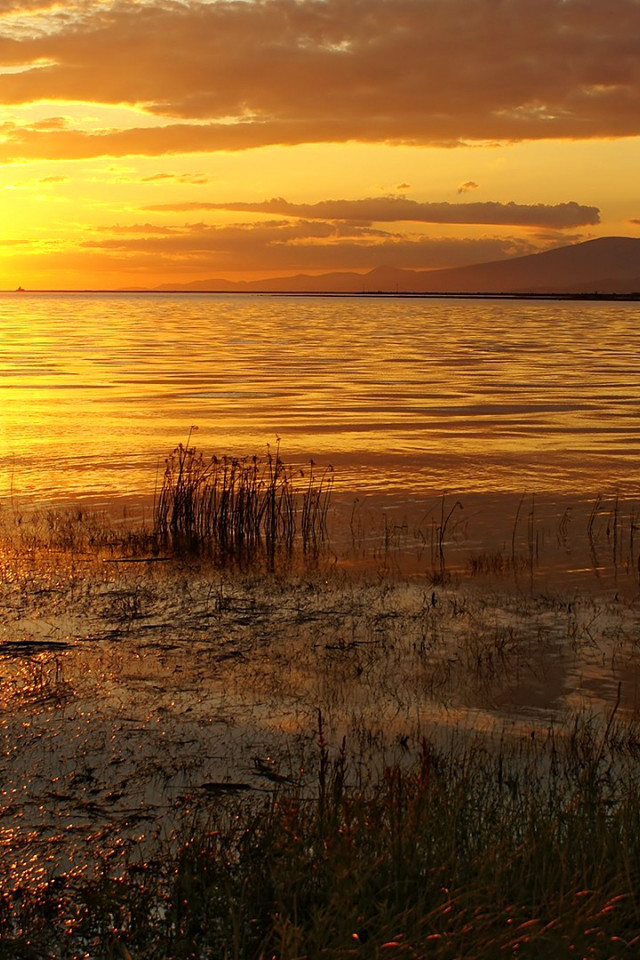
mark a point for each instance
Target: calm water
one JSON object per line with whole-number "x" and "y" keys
{"x": 420, "y": 395}
{"x": 145, "y": 690}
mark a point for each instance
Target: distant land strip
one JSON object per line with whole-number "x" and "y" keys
{"x": 607, "y": 268}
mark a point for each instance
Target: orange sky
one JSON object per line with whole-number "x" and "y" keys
{"x": 152, "y": 141}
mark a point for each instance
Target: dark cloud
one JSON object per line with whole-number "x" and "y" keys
{"x": 398, "y": 209}
{"x": 35, "y": 141}
{"x": 284, "y": 71}
{"x": 467, "y": 186}
{"x": 296, "y": 246}
{"x": 197, "y": 179}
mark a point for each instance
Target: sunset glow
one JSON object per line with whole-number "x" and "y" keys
{"x": 147, "y": 141}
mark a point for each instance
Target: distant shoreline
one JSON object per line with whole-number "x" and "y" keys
{"x": 603, "y": 269}
{"x": 337, "y": 294}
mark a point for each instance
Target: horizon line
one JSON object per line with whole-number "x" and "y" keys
{"x": 444, "y": 294}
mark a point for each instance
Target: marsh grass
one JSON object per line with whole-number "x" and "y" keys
{"x": 474, "y": 850}
{"x": 240, "y": 508}
{"x": 72, "y": 533}
{"x": 471, "y": 845}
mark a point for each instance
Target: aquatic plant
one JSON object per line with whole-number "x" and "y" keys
{"x": 240, "y": 508}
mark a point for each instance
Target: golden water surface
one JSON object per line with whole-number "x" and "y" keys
{"x": 404, "y": 393}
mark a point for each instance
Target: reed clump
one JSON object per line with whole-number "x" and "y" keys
{"x": 241, "y": 508}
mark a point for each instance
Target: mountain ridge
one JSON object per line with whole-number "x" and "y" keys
{"x": 605, "y": 265}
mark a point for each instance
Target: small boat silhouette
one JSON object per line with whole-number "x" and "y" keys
{"x": 20, "y": 290}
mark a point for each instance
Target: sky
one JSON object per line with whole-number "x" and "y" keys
{"x": 152, "y": 141}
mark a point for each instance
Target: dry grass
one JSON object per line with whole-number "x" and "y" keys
{"x": 531, "y": 849}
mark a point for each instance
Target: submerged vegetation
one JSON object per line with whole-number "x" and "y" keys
{"x": 250, "y": 760}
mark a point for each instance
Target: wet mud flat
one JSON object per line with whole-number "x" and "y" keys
{"x": 134, "y": 690}
{"x": 143, "y": 696}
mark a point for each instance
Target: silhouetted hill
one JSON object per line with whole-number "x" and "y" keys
{"x": 608, "y": 265}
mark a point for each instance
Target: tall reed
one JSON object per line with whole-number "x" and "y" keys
{"x": 240, "y": 508}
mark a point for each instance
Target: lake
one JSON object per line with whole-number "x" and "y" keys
{"x": 489, "y": 448}
{"x": 420, "y": 394}
{"x": 407, "y": 398}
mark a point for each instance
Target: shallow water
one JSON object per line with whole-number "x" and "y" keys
{"x": 135, "y": 695}
{"x": 132, "y": 691}
{"x": 398, "y": 394}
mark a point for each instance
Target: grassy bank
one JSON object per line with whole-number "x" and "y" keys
{"x": 530, "y": 849}
{"x": 254, "y": 759}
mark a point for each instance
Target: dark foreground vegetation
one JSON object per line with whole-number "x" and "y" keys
{"x": 460, "y": 844}
{"x": 529, "y": 850}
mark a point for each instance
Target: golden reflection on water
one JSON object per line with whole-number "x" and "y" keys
{"x": 127, "y": 691}
{"x": 397, "y": 393}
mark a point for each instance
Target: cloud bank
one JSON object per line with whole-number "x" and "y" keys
{"x": 278, "y": 245}
{"x": 232, "y": 75}
{"x": 399, "y": 209}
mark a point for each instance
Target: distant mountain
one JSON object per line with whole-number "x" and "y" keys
{"x": 608, "y": 265}
{"x": 300, "y": 283}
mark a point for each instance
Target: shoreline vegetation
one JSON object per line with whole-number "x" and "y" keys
{"x": 235, "y": 508}
{"x": 208, "y": 754}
